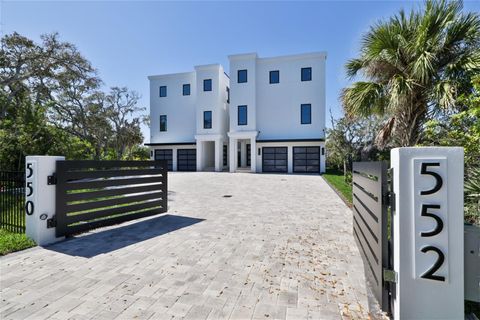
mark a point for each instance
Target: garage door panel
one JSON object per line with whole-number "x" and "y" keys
{"x": 300, "y": 156}
{"x": 165, "y": 154}
{"x": 274, "y": 159}
{"x": 306, "y": 159}
{"x": 187, "y": 160}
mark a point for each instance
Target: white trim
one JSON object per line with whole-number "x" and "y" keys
{"x": 243, "y": 134}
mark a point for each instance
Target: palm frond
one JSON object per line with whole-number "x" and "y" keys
{"x": 364, "y": 99}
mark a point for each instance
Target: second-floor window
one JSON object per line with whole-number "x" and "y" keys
{"x": 307, "y": 74}
{"x": 163, "y": 122}
{"x": 186, "y": 89}
{"x": 306, "y": 113}
{"x": 207, "y": 85}
{"x": 274, "y": 76}
{"x": 242, "y": 115}
{"x": 163, "y": 91}
{"x": 242, "y": 76}
{"x": 207, "y": 119}
{"x": 228, "y": 95}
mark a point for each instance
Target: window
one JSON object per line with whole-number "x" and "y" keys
{"x": 242, "y": 115}
{"x": 207, "y": 85}
{"x": 228, "y": 95}
{"x": 163, "y": 91}
{"x": 186, "y": 89}
{"x": 163, "y": 123}
{"x": 242, "y": 76}
{"x": 207, "y": 119}
{"x": 274, "y": 76}
{"x": 306, "y": 113}
{"x": 225, "y": 155}
{"x": 307, "y": 74}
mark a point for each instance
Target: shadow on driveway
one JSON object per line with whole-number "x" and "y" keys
{"x": 113, "y": 239}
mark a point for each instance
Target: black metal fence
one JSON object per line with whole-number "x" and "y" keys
{"x": 370, "y": 223}
{"x": 91, "y": 194}
{"x": 12, "y": 201}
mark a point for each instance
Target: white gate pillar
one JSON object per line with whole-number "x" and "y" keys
{"x": 428, "y": 232}
{"x": 40, "y": 198}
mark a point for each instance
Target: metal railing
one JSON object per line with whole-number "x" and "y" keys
{"x": 12, "y": 201}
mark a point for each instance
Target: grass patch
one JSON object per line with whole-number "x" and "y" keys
{"x": 11, "y": 242}
{"x": 336, "y": 180}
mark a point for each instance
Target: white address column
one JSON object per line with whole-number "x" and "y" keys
{"x": 40, "y": 198}
{"x": 428, "y": 232}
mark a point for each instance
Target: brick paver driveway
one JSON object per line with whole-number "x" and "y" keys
{"x": 232, "y": 246}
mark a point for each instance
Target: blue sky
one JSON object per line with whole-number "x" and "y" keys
{"x": 127, "y": 41}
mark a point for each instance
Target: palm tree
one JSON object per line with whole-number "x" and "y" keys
{"x": 413, "y": 67}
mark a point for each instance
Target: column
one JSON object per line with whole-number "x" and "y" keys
{"x": 218, "y": 155}
{"x": 243, "y": 153}
{"x": 233, "y": 154}
{"x": 253, "y": 155}
{"x": 199, "y": 155}
{"x": 174, "y": 159}
{"x": 290, "y": 159}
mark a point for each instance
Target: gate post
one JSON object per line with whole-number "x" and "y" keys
{"x": 428, "y": 232}
{"x": 40, "y": 198}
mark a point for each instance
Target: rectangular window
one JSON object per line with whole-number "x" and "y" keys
{"x": 163, "y": 91}
{"x": 207, "y": 119}
{"x": 242, "y": 76}
{"x": 186, "y": 89}
{"x": 207, "y": 85}
{"x": 306, "y": 113}
{"x": 274, "y": 76}
{"x": 163, "y": 123}
{"x": 307, "y": 74}
{"x": 228, "y": 95}
{"x": 242, "y": 115}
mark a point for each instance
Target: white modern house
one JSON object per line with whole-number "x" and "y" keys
{"x": 189, "y": 118}
{"x": 272, "y": 119}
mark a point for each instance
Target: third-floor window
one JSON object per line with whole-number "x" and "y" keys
{"x": 274, "y": 76}
{"x": 163, "y": 91}
{"x": 207, "y": 85}
{"x": 307, "y": 74}
{"x": 242, "y": 76}
{"x": 186, "y": 89}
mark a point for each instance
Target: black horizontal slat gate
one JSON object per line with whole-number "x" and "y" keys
{"x": 370, "y": 222}
{"x": 91, "y": 194}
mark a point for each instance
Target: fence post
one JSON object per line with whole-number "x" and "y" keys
{"x": 40, "y": 198}
{"x": 428, "y": 232}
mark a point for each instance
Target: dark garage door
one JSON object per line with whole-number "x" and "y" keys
{"x": 306, "y": 159}
{"x": 186, "y": 159}
{"x": 274, "y": 159}
{"x": 165, "y": 154}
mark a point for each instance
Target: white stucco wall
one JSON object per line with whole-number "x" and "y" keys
{"x": 180, "y": 109}
{"x": 274, "y": 109}
{"x": 214, "y": 100}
